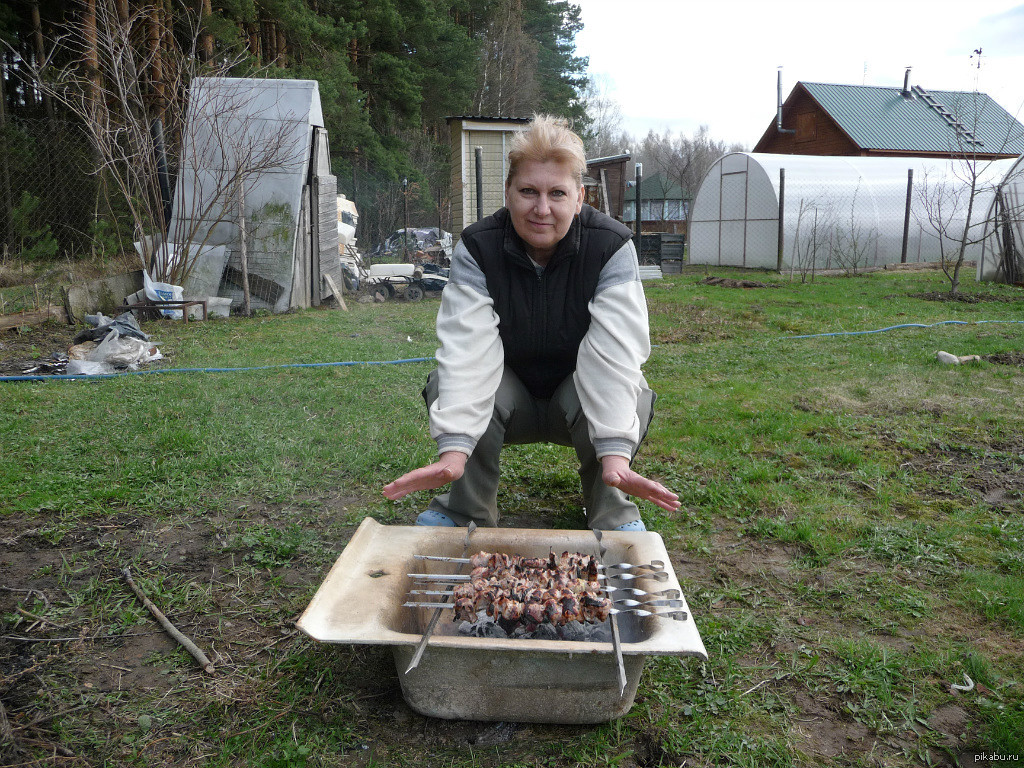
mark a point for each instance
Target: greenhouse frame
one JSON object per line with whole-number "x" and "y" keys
{"x": 845, "y": 213}
{"x": 1002, "y": 250}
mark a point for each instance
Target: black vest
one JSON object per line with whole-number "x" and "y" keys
{"x": 542, "y": 319}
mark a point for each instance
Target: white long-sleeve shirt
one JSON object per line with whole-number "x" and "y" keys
{"x": 607, "y": 376}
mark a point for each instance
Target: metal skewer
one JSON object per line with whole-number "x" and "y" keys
{"x": 616, "y": 641}
{"x": 677, "y": 615}
{"x": 437, "y": 614}
{"x": 413, "y": 594}
{"x": 464, "y": 577}
{"x": 654, "y": 565}
{"x": 668, "y": 594}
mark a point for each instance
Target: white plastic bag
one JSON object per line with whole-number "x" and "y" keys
{"x": 88, "y": 368}
{"x": 163, "y": 292}
{"x": 123, "y": 351}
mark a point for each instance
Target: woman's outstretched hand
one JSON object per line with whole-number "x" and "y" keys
{"x": 447, "y": 468}
{"x": 616, "y": 473}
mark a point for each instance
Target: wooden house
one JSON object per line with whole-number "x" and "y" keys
{"x": 830, "y": 119}
{"x": 606, "y": 184}
{"x": 664, "y": 205}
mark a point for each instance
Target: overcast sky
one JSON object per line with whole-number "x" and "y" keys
{"x": 678, "y": 64}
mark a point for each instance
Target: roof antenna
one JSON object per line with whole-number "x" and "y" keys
{"x": 778, "y": 110}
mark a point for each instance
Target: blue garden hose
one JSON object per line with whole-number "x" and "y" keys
{"x": 84, "y": 377}
{"x": 903, "y": 325}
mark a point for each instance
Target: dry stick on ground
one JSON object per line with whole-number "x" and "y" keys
{"x": 185, "y": 643}
{"x": 6, "y": 734}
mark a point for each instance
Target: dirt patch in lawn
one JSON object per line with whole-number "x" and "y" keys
{"x": 994, "y": 472}
{"x": 1006, "y": 358}
{"x": 35, "y": 351}
{"x": 965, "y": 298}
{"x": 729, "y": 282}
{"x": 691, "y": 324}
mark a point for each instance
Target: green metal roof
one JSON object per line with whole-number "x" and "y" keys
{"x": 882, "y": 118}
{"x": 657, "y": 187}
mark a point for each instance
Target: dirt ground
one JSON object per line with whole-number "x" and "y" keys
{"x": 39, "y": 350}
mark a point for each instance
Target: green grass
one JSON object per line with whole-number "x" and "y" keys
{"x": 850, "y": 540}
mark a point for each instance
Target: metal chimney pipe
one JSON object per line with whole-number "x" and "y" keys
{"x": 906, "y": 93}
{"x": 639, "y": 224}
{"x": 778, "y": 109}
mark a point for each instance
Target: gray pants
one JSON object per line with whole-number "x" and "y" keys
{"x": 521, "y": 418}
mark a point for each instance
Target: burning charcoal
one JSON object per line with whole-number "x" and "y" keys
{"x": 545, "y": 631}
{"x": 492, "y": 629}
{"x": 600, "y": 633}
{"x": 574, "y": 631}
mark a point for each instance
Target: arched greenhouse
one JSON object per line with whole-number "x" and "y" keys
{"x": 843, "y": 213}
{"x": 1002, "y": 251}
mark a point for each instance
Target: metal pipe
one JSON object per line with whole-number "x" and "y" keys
{"x": 906, "y": 214}
{"x": 906, "y": 92}
{"x": 478, "y": 152}
{"x": 156, "y": 128}
{"x": 782, "y": 211}
{"x": 778, "y": 109}
{"x": 639, "y": 224}
{"x": 405, "y": 232}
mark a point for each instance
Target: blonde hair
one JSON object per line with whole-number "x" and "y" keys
{"x": 547, "y": 139}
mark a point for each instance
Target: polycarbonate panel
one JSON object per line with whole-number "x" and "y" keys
{"x": 734, "y": 163}
{"x": 762, "y": 244}
{"x": 733, "y": 239}
{"x": 1001, "y": 252}
{"x": 762, "y": 202}
{"x": 734, "y": 197}
{"x": 703, "y": 237}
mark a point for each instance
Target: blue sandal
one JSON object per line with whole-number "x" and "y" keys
{"x": 431, "y": 517}
{"x": 635, "y": 525}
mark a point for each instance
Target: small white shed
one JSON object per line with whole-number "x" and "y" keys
{"x": 262, "y": 141}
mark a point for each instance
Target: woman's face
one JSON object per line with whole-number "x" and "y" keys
{"x": 543, "y": 199}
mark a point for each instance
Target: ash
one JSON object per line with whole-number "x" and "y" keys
{"x": 485, "y": 626}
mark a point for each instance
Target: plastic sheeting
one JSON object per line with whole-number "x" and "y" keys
{"x": 839, "y": 212}
{"x": 1002, "y": 250}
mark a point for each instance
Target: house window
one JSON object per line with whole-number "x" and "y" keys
{"x": 674, "y": 210}
{"x": 629, "y": 211}
{"x": 656, "y": 210}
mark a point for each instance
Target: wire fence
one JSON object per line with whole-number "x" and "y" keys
{"x": 807, "y": 215}
{"x": 50, "y": 198}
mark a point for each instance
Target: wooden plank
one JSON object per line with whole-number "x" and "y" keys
{"x": 334, "y": 289}
{"x": 36, "y": 317}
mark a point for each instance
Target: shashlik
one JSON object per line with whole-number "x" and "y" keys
{"x": 514, "y": 589}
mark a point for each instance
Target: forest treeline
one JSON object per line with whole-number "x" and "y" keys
{"x": 389, "y": 71}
